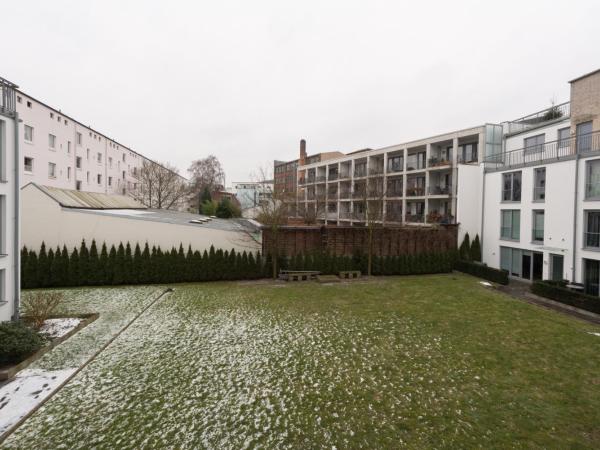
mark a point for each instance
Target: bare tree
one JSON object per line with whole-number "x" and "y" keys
{"x": 273, "y": 214}
{"x": 369, "y": 208}
{"x": 206, "y": 173}
{"x": 159, "y": 186}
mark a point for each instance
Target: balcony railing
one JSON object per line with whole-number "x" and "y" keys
{"x": 443, "y": 219}
{"x": 320, "y": 179}
{"x": 440, "y": 190}
{"x": 415, "y": 218}
{"x": 436, "y": 162}
{"x": 345, "y": 194}
{"x": 333, "y": 176}
{"x": 302, "y": 181}
{"x": 549, "y": 152}
{"x": 374, "y": 171}
{"x": 468, "y": 159}
{"x": 358, "y": 173}
{"x": 412, "y": 191}
{"x": 345, "y": 215}
{"x": 394, "y": 193}
{"x": 8, "y": 98}
{"x": 393, "y": 216}
{"x": 555, "y": 112}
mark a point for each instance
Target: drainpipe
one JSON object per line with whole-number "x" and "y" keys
{"x": 482, "y": 212}
{"x": 574, "y": 262}
{"x": 17, "y": 225}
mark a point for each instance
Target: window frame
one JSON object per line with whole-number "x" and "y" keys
{"x": 512, "y": 228}
{"x": 512, "y": 186}
{"x": 25, "y": 165}
{"x": 32, "y": 137}
{"x": 534, "y": 213}
{"x": 536, "y": 147}
{"x": 536, "y": 171}
{"x": 51, "y": 173}
{"x": 586, "y": 231}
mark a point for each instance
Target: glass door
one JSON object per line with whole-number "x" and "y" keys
{"x": 557, "y": 267}
{"x": 538, "y": 266}
{"x": 584, "y": 137}
{"x": 526, "y": 266}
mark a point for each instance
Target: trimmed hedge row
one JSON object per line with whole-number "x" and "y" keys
{"x": 124, "y": 265}
{"x": 557, "y": 291}
{"x": 482, "y": 271}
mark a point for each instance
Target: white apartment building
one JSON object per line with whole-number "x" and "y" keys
{"x": 251, "y": 193}
{"x": 541, "y": 209}
{"x": 59, "y": 151}
{"x": 9, "y": 203}
{"x": 420, "y": 182}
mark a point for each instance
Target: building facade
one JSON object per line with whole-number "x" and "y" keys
{"x": 541, "y": 217}
{"x": 61, "y": 152}
{"x": 9, "y": 203}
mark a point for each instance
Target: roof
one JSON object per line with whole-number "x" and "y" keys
{"x": 585, "y": 75}
{"x": 70, "y": 198}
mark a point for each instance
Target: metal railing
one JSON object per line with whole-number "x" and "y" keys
{"x": 549, "y": 152}
{"x": 554, "y": 112}
{"x": 435, "y": 162}
{"x": 415, "y": 218}
{"x": 393, "y": 216}
{"x": 333, "y": 176}
{"x": 345, "y": 194}
{"x": 394, "y": 168}
{"x": 412, "y": 191}
{"x": 394, "y": 193}
{"x": 443, "y": 219}
{"x": 468, "y": 159}
{"x": 358, "y": 173}
{"x": 8, "y": 98}
{"x": 376, "y": 171}
{"x": 592, "y": 240}
{"x": 345, "y": 215}
{"x": 412, "y": 165}
{"x": 440, "y": 190}
{"x": 320, "y": 178}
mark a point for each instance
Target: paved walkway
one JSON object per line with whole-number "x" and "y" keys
{"x": 521, "y": 290}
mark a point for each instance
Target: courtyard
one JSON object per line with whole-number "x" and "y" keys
{"x": 430, "y": 361}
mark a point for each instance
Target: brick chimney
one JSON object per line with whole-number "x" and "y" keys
{"x": 302, "y": 159}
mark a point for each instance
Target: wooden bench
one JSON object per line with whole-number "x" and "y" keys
{"x": 349, "y": 274}
{"x": 298, "y": 275}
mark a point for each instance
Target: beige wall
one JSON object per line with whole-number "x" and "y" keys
{"x": 585, "y": 101}
{"x": 46, "y": 221}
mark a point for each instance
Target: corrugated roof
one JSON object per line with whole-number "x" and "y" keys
{"x": 70, "y": 198}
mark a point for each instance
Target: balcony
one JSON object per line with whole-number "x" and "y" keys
{"x": 415, "y": 191}
{"x": 393, "y": 216}
{"x": 562, "y": 149}
{"x": 438, "y": 162}
{"x": 394, "y": 193}
{"x": 442, "y": 219}
{"x": 345, "y": 194}
{"x": 333, "y": 176}
{"x": 302, "y": 181}
{"x": 360, "y": 172}
{"x": 440, "y": 190}
{"x": 320, "y": 179}
{"x": 555, "y": 112}
{"x": 375, "y": 171}
{"x": 8, "y": 98}
{"x": 415, "y": 218}
{"x": 347, "y": 215}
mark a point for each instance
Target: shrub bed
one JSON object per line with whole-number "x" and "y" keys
{"x": 482, "y": 271}
{"x": 557, "y": 291}
{"x": 18, "y": 342}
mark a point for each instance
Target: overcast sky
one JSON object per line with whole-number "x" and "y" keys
{"x": 246, "y": 80}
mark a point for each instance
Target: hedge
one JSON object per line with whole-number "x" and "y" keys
{"x": 482, "y": 271}
{"x": 18, "y": 342}
{"x": 556, "y": 291}
{"x": 124, "y": 265}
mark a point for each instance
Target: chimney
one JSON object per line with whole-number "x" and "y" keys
{"x": 302, "y": 159}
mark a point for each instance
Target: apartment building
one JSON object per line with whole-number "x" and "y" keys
{"x": 9, "y": 203}
{"x": 285, "y": 172}
{"x": 420, "y": 182}
{"x": 59, "y": 151}
{"x": 541, "y": 209}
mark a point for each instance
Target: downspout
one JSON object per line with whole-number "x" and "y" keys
{"x": 574, "y": 261}
{"x": 17, "y": 225}
{"x": 482, "y": 212}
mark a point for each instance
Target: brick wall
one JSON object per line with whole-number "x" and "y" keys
{"x": 585, "y": 100}
{"x": 346, "y": 240}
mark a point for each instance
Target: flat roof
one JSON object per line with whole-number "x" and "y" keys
{"x": 585, "y": 75}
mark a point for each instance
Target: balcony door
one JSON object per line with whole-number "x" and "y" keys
{"x": 584, "y": 137}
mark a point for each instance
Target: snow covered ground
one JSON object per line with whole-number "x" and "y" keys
{"x": 31, "y": 386}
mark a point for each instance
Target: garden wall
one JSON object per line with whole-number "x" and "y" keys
{"x": 346, "y": 241}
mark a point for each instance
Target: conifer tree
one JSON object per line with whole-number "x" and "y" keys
{"x": 103, "y": 265}
{"x": 189, "y": 265}
{"x": 465, "y": 248}
{"x": 64, "y": 275}
{"x": 74, "y": 268}
{"x": 127, "y": 265}
{"x": 136, "y": 269}
{"x": 32, "y": 263}
{"x": 476, "y": 249}
{"x": 110, "y": 267}
{"x": 84, "y": 264}
{"x": 43, "y": 267}
{"x": 93, "y": 265}
{"x": 146, "y": 269}
{"x": 25, "y": 277}
{"x": 119, "y": 267}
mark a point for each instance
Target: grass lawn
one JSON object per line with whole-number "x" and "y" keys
{"x": 429, "y": 361}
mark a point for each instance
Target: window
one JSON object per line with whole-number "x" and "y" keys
{"x": 538, "y": 226}
{"x": 396, "y": 164}
{"x": 87, "y": 153}
{"x": 592, "y": 179}
{"x": 592, "y": 229}
{"x": 28, "y": 163}
{"x": 51, "y": 170}
{"x": 123, "y": 174}
{"x": 534, "y": 144}
{"x": 591, "y": 276}
{"x": 564, "y": 137}
{"x": 58, "y": 118}
{"x": 539, "y": 186}
{"x": 135, "y": 171}
{"x": 29, "y": 104}
{"x": 28, "y": 133}
{"x": 69, "y": 147}
{"x": 522, "y": 263}
{"x": 99, "y": 158}
{"x": 78, "y": 162}
{"x": 415, "y": 161}
{"x": 68, "y": 173}
{"x": 78, "y": 138}
{"x": 511, "y": 224}
{"x": 52, "y": 115}
{"x": 110, "y": 162}
{"x": 19, "y": 99}
{"x": 511, "y": 187}
{"x": 87, "y": 177}
{"x": 468, "y": 153}
{"x": 99, "y": 178}
{"x": 51, "y": 141}
{"x": 110, "y": 181}
{"x": 123, "y": 157}
{"x": 584, "y": 137}
{"x": 78, "y": 185}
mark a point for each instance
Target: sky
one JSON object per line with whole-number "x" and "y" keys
{"x": 246, "y": 80}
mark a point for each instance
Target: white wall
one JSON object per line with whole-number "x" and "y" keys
{"x": 468, "y": 200}
{"x": 44, "y": 220}
{"x": 582, "y": 206}
{"x": 7, "y": 217}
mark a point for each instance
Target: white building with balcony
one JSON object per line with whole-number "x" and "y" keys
{"x": 541, "y": 208}
{"x": 9, "y": 203}
{"x": 60, "y": 151}
{"x": 430, "y": 181}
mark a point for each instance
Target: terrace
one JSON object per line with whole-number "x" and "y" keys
{"x": 554, "y": 151}
{"x": 554, "y": 112}
{"x": 8, "y": 103}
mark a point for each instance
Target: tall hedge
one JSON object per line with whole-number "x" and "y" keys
{"x": 123, "y": 264}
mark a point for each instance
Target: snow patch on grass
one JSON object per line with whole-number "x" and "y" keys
{"x": 55, "y": 328}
